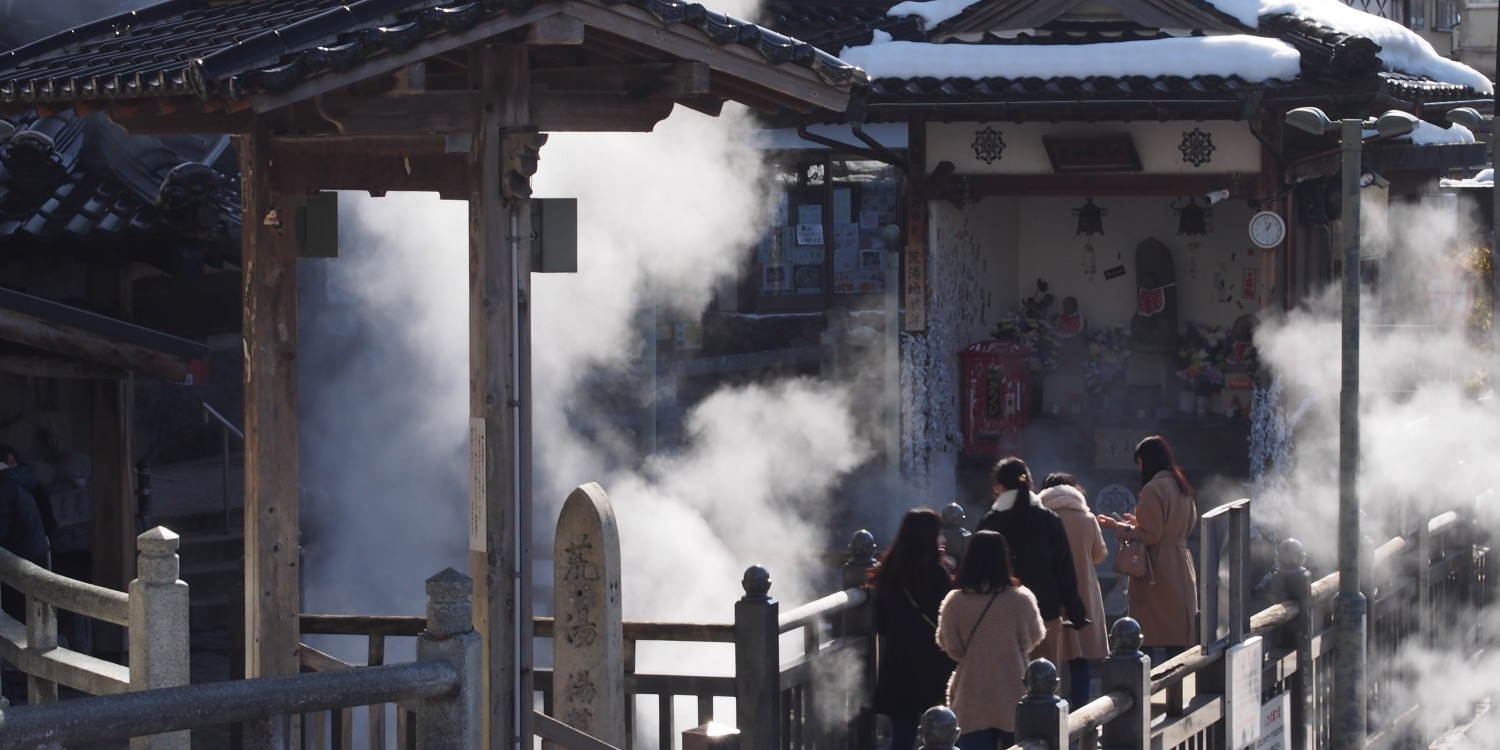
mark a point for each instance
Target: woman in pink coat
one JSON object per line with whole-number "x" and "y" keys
{"x": 988, "y": 625}
{"x": 1062, "y": 495}
{"x": 1165, "y": 603}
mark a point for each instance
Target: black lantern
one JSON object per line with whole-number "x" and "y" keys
{"x": 1090, "y": 217}
{"x": 1192, "y": 218}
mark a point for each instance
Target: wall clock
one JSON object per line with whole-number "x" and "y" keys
{"x": 1267, "y": 229}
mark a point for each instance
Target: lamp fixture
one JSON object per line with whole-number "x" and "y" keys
{"x": 1090, "y": 217}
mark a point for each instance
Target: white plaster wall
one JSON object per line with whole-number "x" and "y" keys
{"x": 1157, "y": 144}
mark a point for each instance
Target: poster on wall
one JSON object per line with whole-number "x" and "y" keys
{"x": 776, "y": 277}
{"x": 1248, "y": 285}
{"x": 807, "y": 279}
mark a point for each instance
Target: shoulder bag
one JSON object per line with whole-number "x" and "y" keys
{"x": 1131, "y": 560}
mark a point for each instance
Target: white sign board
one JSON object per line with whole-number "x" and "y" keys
{"x": 1273, "y": 718}
{"x": 1242, "y": 713}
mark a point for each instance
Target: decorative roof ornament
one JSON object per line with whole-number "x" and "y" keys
{"x": 988, "y": 145}
{"x": 1090, "y": 217}
{"x": 1197, "y": 147}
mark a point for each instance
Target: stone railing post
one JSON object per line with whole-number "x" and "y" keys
{"x": 757, "y": 663}
{"x": 955, "y": 534}
{"x": 1126, "y": 668}
{"x": 1041, "y": 715}
{"x": 861, "y": 621}
{"x": 938, "y": 729}
{"x": 455, "y": 720}
{"x": 158, "y": 627}
{"x": 1294, "y": 582}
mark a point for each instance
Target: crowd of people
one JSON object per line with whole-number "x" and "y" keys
{"x": 1025, "y": 588}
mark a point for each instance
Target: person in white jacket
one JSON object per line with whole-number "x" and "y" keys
{"x": 1062, "y": 495}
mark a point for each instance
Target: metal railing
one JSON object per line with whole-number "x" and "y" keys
{"x": 226, "y": 429}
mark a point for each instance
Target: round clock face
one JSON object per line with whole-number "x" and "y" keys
{"x": 1267, "y": 229}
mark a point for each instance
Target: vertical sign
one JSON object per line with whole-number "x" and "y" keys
{"x": 588, "y": 637}
{"x": 1273, "y": 715}
{"x": 1243, "y": 694}
{"x": 477, "y": 468}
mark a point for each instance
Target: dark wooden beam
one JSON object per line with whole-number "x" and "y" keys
{"x": 1127, "y": 185}
{"x": 377, "y": 164}
{"x": 556, "y": 30}
{"x": 38, "y": 366}
{"x": 138, "y": 120}
{"x": 430, "y": 112}
{"x": 559, "y": 111}
{"x": 90, "y": 345}
{"x": 659, "y": 80}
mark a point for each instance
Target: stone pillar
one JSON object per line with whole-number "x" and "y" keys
{"x": 158, "y": 627}
{"x": 955, "y": 535}
{"x": 588, "y": 679}
{"x": 757, "y": 663}
{"x": 1126, "y": 668}
{"x": 1041, "y": 715}
{"x": 454, "y": 721}
{"x": 939, "y": 729}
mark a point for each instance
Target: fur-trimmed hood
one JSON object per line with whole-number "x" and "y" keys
{"x": 1007, "y": 500}
{"x": 1064, "y": 497}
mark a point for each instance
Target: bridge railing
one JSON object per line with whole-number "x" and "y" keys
{"x": 155, "y": 610}
{"x": 442, "y": 687}
{"x": 1436, "y": 573}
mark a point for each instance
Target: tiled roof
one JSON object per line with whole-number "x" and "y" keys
{"x": 192, "y": 48}
{"x": 1063, "y": 89}
{"x": 80, "y": 187}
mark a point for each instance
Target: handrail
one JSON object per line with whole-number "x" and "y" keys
{"x": 224, "y": 421}
{"x": 109, "y": 718}
{"x": 552, "y": 730}
{"x": 1098, "y": 712}
{"x": 61, "y": 591}
{"x": 821, "y": 608}
{"x": 407, "y": 625}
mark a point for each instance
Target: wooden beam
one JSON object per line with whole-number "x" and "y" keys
{"x": 269, "y": 251}
{"x": 38, "y": 366}
{"x": 795, "y": 85}
{"x": 89, "y": 346}
{"x": 113, "y": 498}
{"x": 556, "y": 30}
{"x": 138, "y": 120}
{"x": 409, "y": 114}
{"x": 559, "y": 111}
{"x": 1131, "y": 185}
{"x": 377, "y": 164}
{"x": 660, "y": 80}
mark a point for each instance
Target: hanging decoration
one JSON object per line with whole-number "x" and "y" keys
{"x": 1193, "y": 218}
{"x": 1087, "y": 262}
{"x": 988, "y": 145}
{"x": 1090, "y": 217}
{"x": 1192, "y": 258}
{"x": 1197, "y": 147}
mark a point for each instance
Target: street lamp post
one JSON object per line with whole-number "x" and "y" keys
{"x": 1348, "y": 730}
{"x": 1471, "y": 119}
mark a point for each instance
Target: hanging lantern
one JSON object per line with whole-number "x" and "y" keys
{"x": 1192, "y": 218}
{"x": 1090, "y": 217}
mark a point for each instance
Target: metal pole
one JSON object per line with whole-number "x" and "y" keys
{"x": 1348, "y": 730}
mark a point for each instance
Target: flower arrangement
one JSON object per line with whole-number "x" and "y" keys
{"x": 1033, "y": 333}
{"x": 1109, "y": 351}
{"x": 1200, "y": 358}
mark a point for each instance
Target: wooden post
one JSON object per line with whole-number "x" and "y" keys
{"x": 757, "y": 663}
{"x": 861, "y": 622}
{"x": 1126, "y": 668}
{"x": 589, "y": 640}
{"x": 272, "y": 598}
{"x": 1294, "y": 582}
{"x": 499, "y": 393}
{"x": 1041, "y": 715}
{"x": 113, "y": 499}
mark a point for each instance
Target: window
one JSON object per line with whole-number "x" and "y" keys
{"x": 1445, "y": 15}
{"x": 1417, "y": 14}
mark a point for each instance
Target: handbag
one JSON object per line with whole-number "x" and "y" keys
{"x": 1131, "y": 560}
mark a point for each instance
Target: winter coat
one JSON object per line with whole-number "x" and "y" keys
{"x": 29, "y": 480}
{"x": 1039, "y": 553}
{"x": 986, "y": 685}
{"x": 1166, "y": 602}
{"x": 1087, "y": 545}
{"x": 21, "y": 530}
{"x": 912, "y": 672}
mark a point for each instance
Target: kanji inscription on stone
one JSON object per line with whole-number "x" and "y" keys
{"x": 588, "y": 640}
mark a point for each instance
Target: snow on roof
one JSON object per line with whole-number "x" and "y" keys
{"x": 1401, "y": 49}
{"x": 1485, "y": 178}
{"x": 1427, "y": 134}
{"x": 1249, "y": 57}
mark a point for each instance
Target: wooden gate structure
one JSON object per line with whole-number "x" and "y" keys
{"x": 446, "y": 96}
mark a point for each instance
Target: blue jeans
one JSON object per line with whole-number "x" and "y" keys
{"x": 1078, "y": 675}
{"x": 904, "y": 731}
{"x": 986, "y": 739}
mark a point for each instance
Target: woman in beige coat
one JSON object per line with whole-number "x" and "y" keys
{"x": 1165, "y": 602}
{"x": 1062, "y": 495}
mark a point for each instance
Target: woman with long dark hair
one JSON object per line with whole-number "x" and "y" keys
{"x": 912, "y": 672}
{"x": 1165, "y": 600}
{"x": 989, "y": 625}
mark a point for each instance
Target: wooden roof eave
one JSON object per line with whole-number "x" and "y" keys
{"x": 94, "y": 338}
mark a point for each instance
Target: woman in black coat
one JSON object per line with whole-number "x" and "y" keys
{"x": 912, "y": 672}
